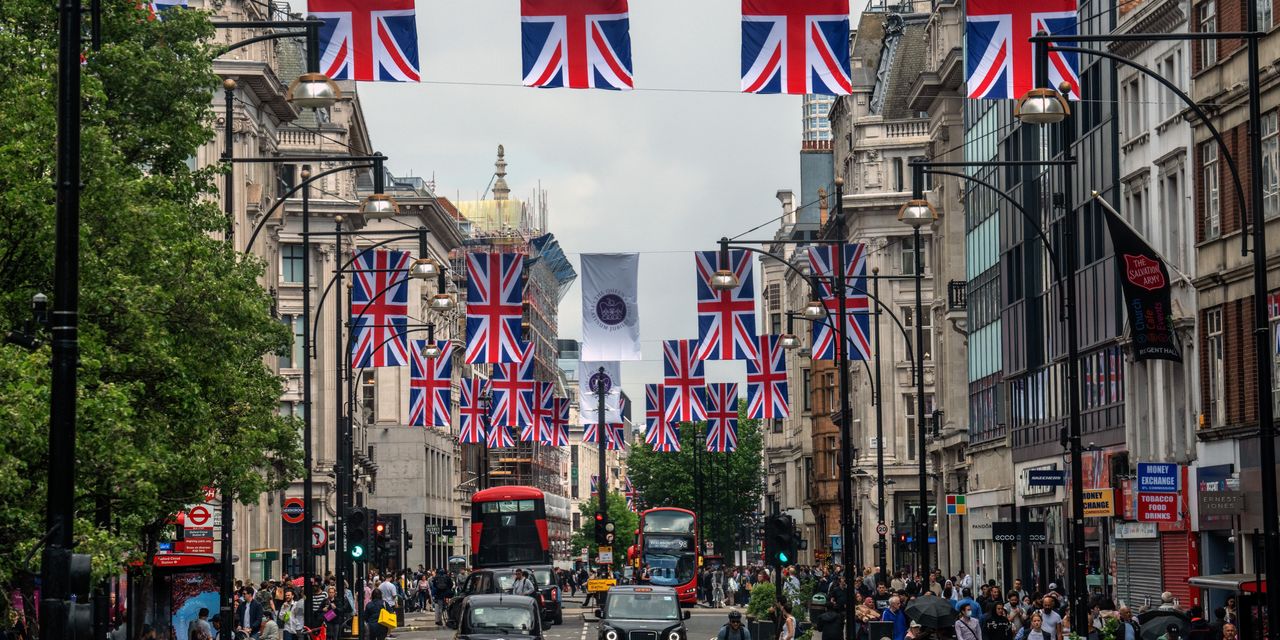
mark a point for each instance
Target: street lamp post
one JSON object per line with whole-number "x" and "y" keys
{"x": 882, "y": 526}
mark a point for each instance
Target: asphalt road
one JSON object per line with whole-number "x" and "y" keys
{"x": 579, "y": 624}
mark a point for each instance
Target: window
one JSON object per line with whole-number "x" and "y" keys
{"x": 909, "y": 412}
{"x": 295, "y": 409}
{"x": 1274, "y": 300}
{"x": 291, "y": 263}
{"x": 1212, "y": 203}
{"x": 368, "y": 397}
{"x": 1171, "y": 67}
{"x": 808, "y": 478}
{"x": 833, "y": 469}
{"x": 286, "y": 179}
{"x": 776, "y": 425}
{"x": 898, "y": 175}
{"x": 908, "y": 315}
{"x": 927, "y": 177}
{"x": 1138, "y": 208}
{"x": 806, "y": 389}
{"x": 1270, "y": 161}
{"x": 577, "y": 517}
{"x": 1265, "y": 15}
{"x": 298, "y": 350}
{"x": 908, "y": 255}
{"x": 1134, "y": 108}
{"x": 1171, "y": 210}
{"x": 829, "y": 392}
{"x": 1207, "y": 17}
{"x": 1216, "y": 402}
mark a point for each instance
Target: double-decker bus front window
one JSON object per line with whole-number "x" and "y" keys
{"x": 508, "y": 527}
{"x": 670, "y": 559}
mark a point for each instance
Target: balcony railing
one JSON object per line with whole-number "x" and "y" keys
{"x": 956, "y": 295}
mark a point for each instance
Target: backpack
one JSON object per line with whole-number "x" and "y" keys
{"x": 443, "y": 585}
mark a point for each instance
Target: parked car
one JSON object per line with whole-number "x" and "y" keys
{"x": 494, "y": 581}
{"x": 499, "y": 617}
{"x": 637, "y": 612}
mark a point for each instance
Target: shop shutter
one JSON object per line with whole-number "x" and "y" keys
{"x": 1175, "y": 552}
{"x": 1138, "y": 580}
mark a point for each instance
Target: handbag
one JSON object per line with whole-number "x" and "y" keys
{"x": 387, "y": 619}
{"x": 330, "y": 615}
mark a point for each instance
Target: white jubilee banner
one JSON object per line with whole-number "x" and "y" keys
{"x": 589, "y": 377}
{"x": 610, "y": 314}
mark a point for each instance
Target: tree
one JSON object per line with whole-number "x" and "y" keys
{"x": 174, "y": 392}
{"x": 732, "y": 482}
{"x": 624, "y": 521}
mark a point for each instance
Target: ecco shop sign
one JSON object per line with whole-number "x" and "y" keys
{"x": 1018, "y": 532}
{"x": 1157, "y": 477}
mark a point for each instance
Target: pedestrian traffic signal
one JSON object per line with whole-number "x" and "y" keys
{"x": 780, "y": 540}
{"x": 605, "y": 530}
{"x": 358, "y": 533}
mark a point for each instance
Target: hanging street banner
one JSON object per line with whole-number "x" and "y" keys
{"x": 589, "y": 377}
{"x": 610, "y": 313}
{"x": 1144, "y": 279}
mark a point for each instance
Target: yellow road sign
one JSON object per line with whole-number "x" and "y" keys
{"x": 600, "y": 584}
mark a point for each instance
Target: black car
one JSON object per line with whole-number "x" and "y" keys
{"x": 499, "y": 617}
{"x": 544, "y": 578}
{"x": 633, "y": 612}
{"x": 490, "y": 581}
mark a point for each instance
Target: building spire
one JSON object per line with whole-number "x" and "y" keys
{"x": 500, "y": 189}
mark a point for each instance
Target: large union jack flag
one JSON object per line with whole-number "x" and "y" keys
{"x": 683, "y": 381}
{"x": 369, "y": 40}
{"x": 999, "y": 59}
{"x": 663, "y": 436}
{"x": 796, "y": 46}
{"x": 617, "y": 437}
{"x": 544, "y": 406}
{"x": 560, "y": 423}
{"x": 632, "y": 494}
{"x": 430, "y": 380}
{"x": 380, "y": 309}
{"x": 472, "y": 413}
{"x": 513, "y": 389}
{"x": 767, "y": 381}
{"x": 579, "y": 44}
{"x": 722, "y": 417}
{"x": 726, "y": 319}
{"x": 499, "y": 437}
{"x": 495, "y": 295}
{"x": 857, "y": 304}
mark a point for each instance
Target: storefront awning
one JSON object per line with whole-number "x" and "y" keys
{"x": 1247, "y": 582}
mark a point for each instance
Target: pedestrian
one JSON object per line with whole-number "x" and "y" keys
{"x": 424, "y": 591}
{"x": 1036, "y": 630}
{"x": 1171, "y": 632}
{"x": 372, "y": 629}
{"x": 1016, "y": 614}
{"x": 1129, "y": 628}
{"x": 248, "y": 615}
{"x": 441, "y": 592}
{"x": 1050, "y": 619}
{"x": 1229, "y": 632}
{"x": 998, "y": 626}
{"x": 734, "y": 629}
{"x": 270, "y": 630}
{"x": 830, "y": 623}
{"x": 894, "y": 613}
{"x": 291, "y": 615}
{"x": 967, "y": 626}
{"x": 389, "y": 591}
{"x": 786, "y": 621}
{"x": 198, "y": 629}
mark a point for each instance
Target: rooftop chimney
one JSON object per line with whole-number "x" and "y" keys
{"x": 788, "y": 200}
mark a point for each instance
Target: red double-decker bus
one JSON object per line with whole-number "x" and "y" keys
{"x": 509, "y": 527}
{"x": 668, "y": 546}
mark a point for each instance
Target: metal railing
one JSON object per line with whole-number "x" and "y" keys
{"x": 957, "y": 295}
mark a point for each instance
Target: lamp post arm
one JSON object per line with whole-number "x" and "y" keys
{"x": 889, "y": 312}
{"x": 1035, "y": 224}
{"x": 865, "y": 364}
{"x": 279, "y": 201}
{"x": 360, "y": 374}
{"x": 1204, "y": 117}
{"x": 310, "y": 31}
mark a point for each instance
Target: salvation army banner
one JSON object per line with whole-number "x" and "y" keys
{"x": 610, "y": 313}
{"x": 1144, "y": 278}
{"x": 588, "y": 402}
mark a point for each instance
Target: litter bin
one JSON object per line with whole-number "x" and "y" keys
{"x": 817, "y": 605}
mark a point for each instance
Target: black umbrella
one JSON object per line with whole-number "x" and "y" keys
{"x": 1156, "y": 623}
{"x": 931, "y": 612}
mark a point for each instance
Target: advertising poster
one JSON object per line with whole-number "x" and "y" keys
{"x": 190, "y": 592}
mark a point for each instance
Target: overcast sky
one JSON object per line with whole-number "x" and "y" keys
{"x": 663, "y": 173}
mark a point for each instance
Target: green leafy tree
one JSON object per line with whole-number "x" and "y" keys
{"x": 732, "y": 483}
{"x": 624, "y": 521}
{"x": 174, "y": 391}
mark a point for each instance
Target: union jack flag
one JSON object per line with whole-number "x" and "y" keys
{"x": 661, "y": 435}
{"x": 1000, "y": 60}
{"x": 560, "y": 423}
{"x": 594, "y": 478}
{"x": 380, "y": 309}
{"x": 767, "y": 381}
{"x": 632, "y": 494}
{"x": 369, "y": 40}
{"x": 617, "y": 437}
{"x": 499, "y": 437}
{"x": 472, "y": 413}
{"x": 513, "y": 391}
{"x": 726, "y": 319}
{"x": 430, "y": 380}
{"x": 857, "y": 304}
{"x": 796, "y": 46}
{"x": 579, "y": 44}
{"x": 683, "y": 381}
{"x": 156, "y": 8}
{"x": 495, "y": 296}
{"x": 722, "y": 419}
{"x": 541, "y": 428}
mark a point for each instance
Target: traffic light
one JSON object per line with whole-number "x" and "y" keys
{"x": 780, "y": 541}
{"x": 605, "y": 530}
{"x": 358, "y": 533}
{"x": 381, "y": 542}
{"x": 408, "y": 537}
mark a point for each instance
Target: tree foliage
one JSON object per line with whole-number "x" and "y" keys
{"x": 174, "y": 393}
{"x": 624, "y": 521}
{"x": 732, "y": 482}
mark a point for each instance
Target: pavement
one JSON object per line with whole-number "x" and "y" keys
{"x": 579, "y": 624}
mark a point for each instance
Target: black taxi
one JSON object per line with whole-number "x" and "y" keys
{"x": 641, "y": 612}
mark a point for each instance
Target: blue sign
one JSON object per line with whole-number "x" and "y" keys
{"x": 1046, "y": 477}
{"x": 1158, "y": 477}
{"x": 837, "y": 544}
